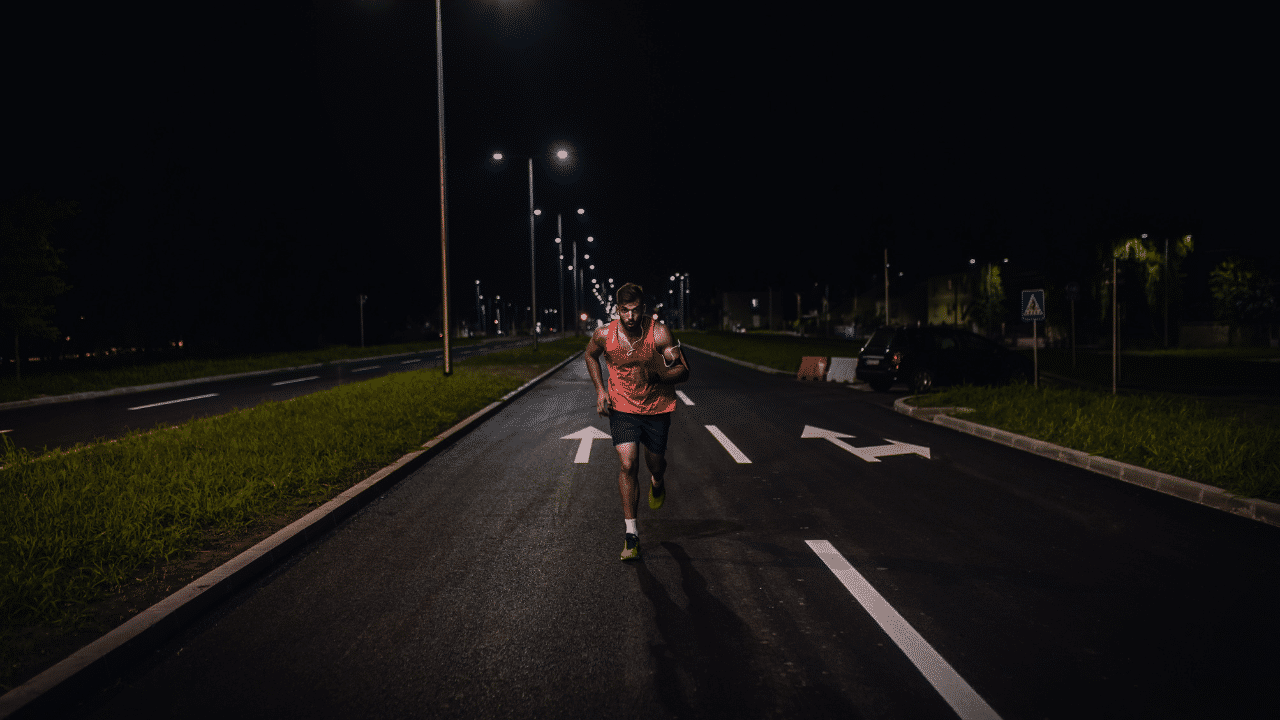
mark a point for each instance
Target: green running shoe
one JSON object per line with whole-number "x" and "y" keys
{"x": 631, "y": 547}
{"x": 656, "y": 498}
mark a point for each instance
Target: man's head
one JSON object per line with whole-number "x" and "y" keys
{"x": 630, "y": 299}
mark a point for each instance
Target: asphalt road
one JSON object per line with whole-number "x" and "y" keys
{"x": 64, "y": 424}
{"x": 488, "y": 583}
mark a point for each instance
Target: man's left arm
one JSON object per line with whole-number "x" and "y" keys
{"x": 675, "y": 363}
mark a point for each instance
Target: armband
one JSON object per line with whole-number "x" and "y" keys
{"x": 669, "y": 363}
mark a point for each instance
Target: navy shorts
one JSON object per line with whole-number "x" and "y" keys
{"x": 648, "y": 430}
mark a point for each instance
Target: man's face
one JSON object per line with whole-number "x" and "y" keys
{"x": 629, "y": 314}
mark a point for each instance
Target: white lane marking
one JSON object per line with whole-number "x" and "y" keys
{"x": 406, "y": 362}
{"x": 870, "y": 454}
{"x": 370, "y": 367}
{"x": 962, "y": 698}
{"x": 4, "y": 431}
{"x": 286, "y": 382}
{"x": 585, "y": 436}
{"x": 170, "y": 402}
{"x": 684, "y": 397}
{"x": 728, "y": 445}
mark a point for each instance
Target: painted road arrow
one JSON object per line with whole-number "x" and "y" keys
{"x": 870, "y": 454}
{"x": 585, "y": 436}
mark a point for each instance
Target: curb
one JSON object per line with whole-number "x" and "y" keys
{"x": 1207, "y": 495}
{"x": 736, "y": 361}
{"x": 14, "y": 404}
{"x": 154, "y": 626}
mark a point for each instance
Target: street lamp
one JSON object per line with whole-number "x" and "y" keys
{"x": 444, "y": 205}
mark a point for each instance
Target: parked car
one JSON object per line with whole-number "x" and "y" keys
{"x": 932, "y": 355}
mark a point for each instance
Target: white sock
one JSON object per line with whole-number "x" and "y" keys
{"x": 631, "y": 526}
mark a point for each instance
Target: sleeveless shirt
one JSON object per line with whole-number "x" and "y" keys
{"x": 630, "y": 386}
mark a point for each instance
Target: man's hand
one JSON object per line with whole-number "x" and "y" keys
{"x": 603, "y": 403}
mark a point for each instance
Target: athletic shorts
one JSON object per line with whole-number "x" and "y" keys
{"x": 648, "y": 430}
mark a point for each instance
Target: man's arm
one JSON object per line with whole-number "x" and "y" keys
{"x": 595, "y": 348}
{"x": 677, "y": 371}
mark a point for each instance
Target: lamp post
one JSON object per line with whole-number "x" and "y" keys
{"x": 444, "y": 206}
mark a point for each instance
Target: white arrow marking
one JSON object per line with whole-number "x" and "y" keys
{"x": 870, "y": 454}
{"x": 585, "y": 436}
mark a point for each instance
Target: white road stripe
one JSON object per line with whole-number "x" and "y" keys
{"x": 684, "y": 397}
{"x": 962, "y": 698}
{"x": 728, "y": 445}
{"x": 406, "y": 362}
{"x": 286, "y": 382}
{"x": 370, "y": 367}
{"x": 170, "y": 402}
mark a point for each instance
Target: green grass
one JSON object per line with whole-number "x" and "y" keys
{"x": 66, "y": 377}
{"x": 782, "y": 352}
{"x": 1178, "y": 435}
{"x": 1173, "y": 370}
{"x": 81, "y": 524}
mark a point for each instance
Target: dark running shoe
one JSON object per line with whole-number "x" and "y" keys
{"x": 657, "y": 496}
{"x": 631, "y": 547}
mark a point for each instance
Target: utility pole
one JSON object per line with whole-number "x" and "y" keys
{"x": 1166, "y": 292}
{"x": 886, "y": 286}
{"x": 533, "y": 276}
{"x": 361, "y": 299}
{"x": 1115, "y": 333}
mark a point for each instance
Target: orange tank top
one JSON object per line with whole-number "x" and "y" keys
{"x": 630, "y": 386}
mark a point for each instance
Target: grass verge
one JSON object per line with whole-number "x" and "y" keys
{"x": 93, "y": 535}
{"x": 1169, "y": 433}
{"x": 779, "y": 351}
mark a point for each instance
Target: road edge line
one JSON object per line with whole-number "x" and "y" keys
{"x": 743, "y": 363}
{"x": 1262, "y": 511}
{"x": 156, "y": 625}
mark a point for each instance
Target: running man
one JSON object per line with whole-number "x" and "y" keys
{"x": 644, "y": 367}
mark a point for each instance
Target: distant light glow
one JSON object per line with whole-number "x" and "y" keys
{"x": 497, "y": 156}
{"x": 563, "y": 154}
{"x": 581, "y": 211}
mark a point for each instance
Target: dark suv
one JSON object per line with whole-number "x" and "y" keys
{"x": 923, "y": 357}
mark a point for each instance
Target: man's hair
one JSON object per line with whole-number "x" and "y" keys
{"x": 630, "y": 293}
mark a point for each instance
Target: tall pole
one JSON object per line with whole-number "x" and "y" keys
{"x": 533, "y": 276}
{"x": 886, "y": 286}
{"x": 573, "y": 279}
{"x": 444, "y": 207}
{"x": 1115, "y": 349}
{"x": 560, "y": 267}
{"x": 1166, "y": 292}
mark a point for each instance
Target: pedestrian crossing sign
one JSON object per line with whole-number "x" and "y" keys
{"x": 1032, "y": 305}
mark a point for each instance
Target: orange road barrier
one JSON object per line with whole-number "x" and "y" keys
{"x": 813, "y": 368}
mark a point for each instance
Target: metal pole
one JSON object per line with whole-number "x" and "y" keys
{"x": 1115, "y": 350}
{"x": 444, "y": 206}
{"x": 573, "y": 279}
{"x": 560, "y": 268}
{"x": 360, "y": 301}
{"x": 533, "y": 276}
{"x": 886, "y": 286}
{"x": 1166, "y": 292}
{"x": 1035, "y": 354}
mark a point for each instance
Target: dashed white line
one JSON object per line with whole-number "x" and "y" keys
{"x": 286, "y": 382}
{"x": 684, "y": 397}
{"x": 370, "y": 367}
{"x": 728, "y": 445}
{"x": 406, "y": 362}
{"x": 962, "y": 698}
{"x": 170, "y": 402}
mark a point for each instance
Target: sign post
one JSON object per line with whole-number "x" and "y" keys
{"x": 1033, "y": 310}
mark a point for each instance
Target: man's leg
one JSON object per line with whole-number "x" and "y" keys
{"x": 629, "y": 459}
{"x": 657, "y": 466}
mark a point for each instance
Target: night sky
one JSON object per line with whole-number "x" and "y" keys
{"x": 244, "y": 173}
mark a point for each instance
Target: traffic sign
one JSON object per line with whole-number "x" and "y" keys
{"x": 1032, "y": 305}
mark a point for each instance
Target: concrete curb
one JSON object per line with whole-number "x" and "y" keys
{"x": 14, "y": 404}
{"x": 1208, "y": 495}
{"x": 736, "y": 361}
{"x": 154, "y": 626}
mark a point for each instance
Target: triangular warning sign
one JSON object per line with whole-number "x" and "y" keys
{"x": 1033, "y": 307}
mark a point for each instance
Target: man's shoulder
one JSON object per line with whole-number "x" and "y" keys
{"x": 661, "y": 334}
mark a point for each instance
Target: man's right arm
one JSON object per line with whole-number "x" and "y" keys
{"x": 595, "y": 348}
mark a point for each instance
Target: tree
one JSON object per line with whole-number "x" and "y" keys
{"x": 28, "y": 268}
{"x": 1242, "y": 295}
{"x": 1147, "y": 258}
{"x": 988, "y": 306}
